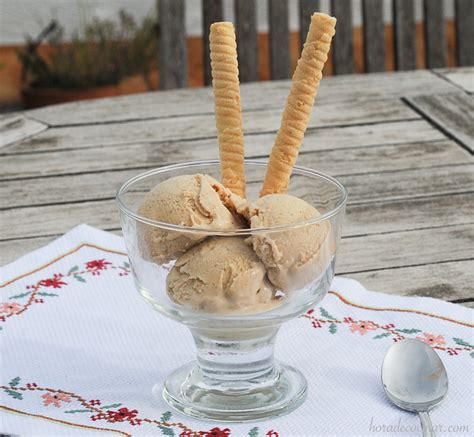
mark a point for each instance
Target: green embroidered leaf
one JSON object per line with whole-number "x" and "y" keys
{"x": 253, "y": 432}
{"x": 78, "y": 411}
{"x": 166, "y": 431}
{"x": 14, "y": 394}
{"x": 19, "y": 296}
{"x": 126, "y": 265}
{"x": 43, "y": 293}
{"x": 14, "y": 382}
{"x": 332, "y": 328}
{"x": 79, "y": 278}
{"x": 73, "y": 269}
{"x": 166, "y": 416}
{"x": 384, "y": 334}
{"x": 110, "y": 406}
{"x": 408, "y": 331}
{"x": 324, "y": 313}
{"x": 472, "y": 354}
{"x": 461, "y": 342}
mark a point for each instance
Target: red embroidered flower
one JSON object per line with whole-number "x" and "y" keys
{"x": 121, "y": 415}
{"x": 98, "y": 416}
{"x": 432, "y": 340}
{"x": 217, "y": 432}
{"x": 94, "y": 402}
{"x": 362, "y": 327}
{"x": 97, "y": 264}
{"x": 10, "y": 308}
{"x": 272, "y": 433}
{"x": 54, "y": 282}
{"x": 55, "y": 399}
{"x": 135, "y": 422}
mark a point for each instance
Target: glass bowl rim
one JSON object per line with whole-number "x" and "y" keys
{"x": 304, "y": 171}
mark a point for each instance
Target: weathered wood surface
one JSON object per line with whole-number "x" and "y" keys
{"x": 409, "y": 222}
{"x": 172, "y": 55}
{"x": 306, "y": 9}
{"x": 363, "y": 188}
{"x": 465, "y": 32}
{"x": 332, "y": 161}
{"x": 404, "y": 34}
{"x": 447, "y": 280}
{"x": 255, "y": 96}
{"x": 279, "y": 39}
{"x": 211, "y": 12}
{"x": 342, "y": 44}
{"x": 435, "y": 38}
{"x": 461, "y": 77}
{"x": 453, "y": 113}
{"x": 247, "y": 43}
{"x": 17, "y": 127}
{"x": 374, "y": 36}
{"x": 203, "y": 126}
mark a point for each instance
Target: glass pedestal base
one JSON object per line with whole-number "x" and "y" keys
{"x": 193, "y": 393}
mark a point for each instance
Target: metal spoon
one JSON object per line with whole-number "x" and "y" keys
{"x": 414, "y": 379}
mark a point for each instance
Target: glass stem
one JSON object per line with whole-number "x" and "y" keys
{"x": 236, "y": 359}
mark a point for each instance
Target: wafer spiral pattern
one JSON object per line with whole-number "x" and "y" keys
{"x": 300, "y": 101}
{"x": 225, "y": 81}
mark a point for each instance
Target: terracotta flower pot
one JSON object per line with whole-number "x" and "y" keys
{"x": 36, "y": 97}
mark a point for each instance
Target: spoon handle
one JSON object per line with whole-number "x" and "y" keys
{"x": 426, "y": 425}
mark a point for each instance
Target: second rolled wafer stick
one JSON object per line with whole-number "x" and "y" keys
{"x": 300, "y": 101}
{"x": 225, "y": 81}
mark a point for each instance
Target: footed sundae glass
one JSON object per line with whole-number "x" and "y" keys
{"x": 235, "y": 376}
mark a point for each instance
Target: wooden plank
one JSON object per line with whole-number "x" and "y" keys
{"x": 279, "y": 39}
{"x": 342, "y": 45}
{"x": 172, "y": 45}
{"x": 404, "y": 34}
{"x": 435, "y": 38}
{"x": 463, "y": 78}
{"x": 453, "y": 113}
{"x": 306, "y": 9}
{"x": 374, "y": 37}
{"x": 203, "y": 126}
{"x": 211, "y": 12}
{"x": 17, "y": 127}
{"x": 316, "y": 153}
{"x": 381, "y": 217}
{"x": 403, "y": 249}
{"x": 465, "y": 32}
{"x": 255, "y": 96}
{"x": 247, "y": 44}
{"x": 447, "y": 280}
{"x": 363, "y": 188}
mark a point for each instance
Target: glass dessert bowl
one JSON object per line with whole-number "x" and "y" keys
{"x": 233, "y": 276}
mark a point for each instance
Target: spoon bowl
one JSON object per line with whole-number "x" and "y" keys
{"x": 414, "y": 378}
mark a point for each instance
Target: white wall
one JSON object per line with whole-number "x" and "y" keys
{"x": 20, "y": 17}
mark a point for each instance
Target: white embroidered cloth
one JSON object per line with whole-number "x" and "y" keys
{"x": 80, "y": 351}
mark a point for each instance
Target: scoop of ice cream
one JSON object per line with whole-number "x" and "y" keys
{"x": 188, "y": 200}
{"x": 221, "y": 275}
{"x": 296, "y": 257}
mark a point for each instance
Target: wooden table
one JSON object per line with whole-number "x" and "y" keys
{"x": 401, "y": 143}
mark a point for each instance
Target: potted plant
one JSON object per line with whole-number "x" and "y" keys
{"x": 98, "y": 62}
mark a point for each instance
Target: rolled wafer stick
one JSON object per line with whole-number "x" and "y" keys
{"x": 305, "y": 84}
{"x": 225, "y": 81}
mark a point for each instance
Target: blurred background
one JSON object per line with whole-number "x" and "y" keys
{"x": 61, "y": 50}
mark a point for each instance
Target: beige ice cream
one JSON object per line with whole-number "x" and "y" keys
{"x": 188, "y": 200}
{"x": 221, "y": 275}
{"x": 296, "y": 257}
